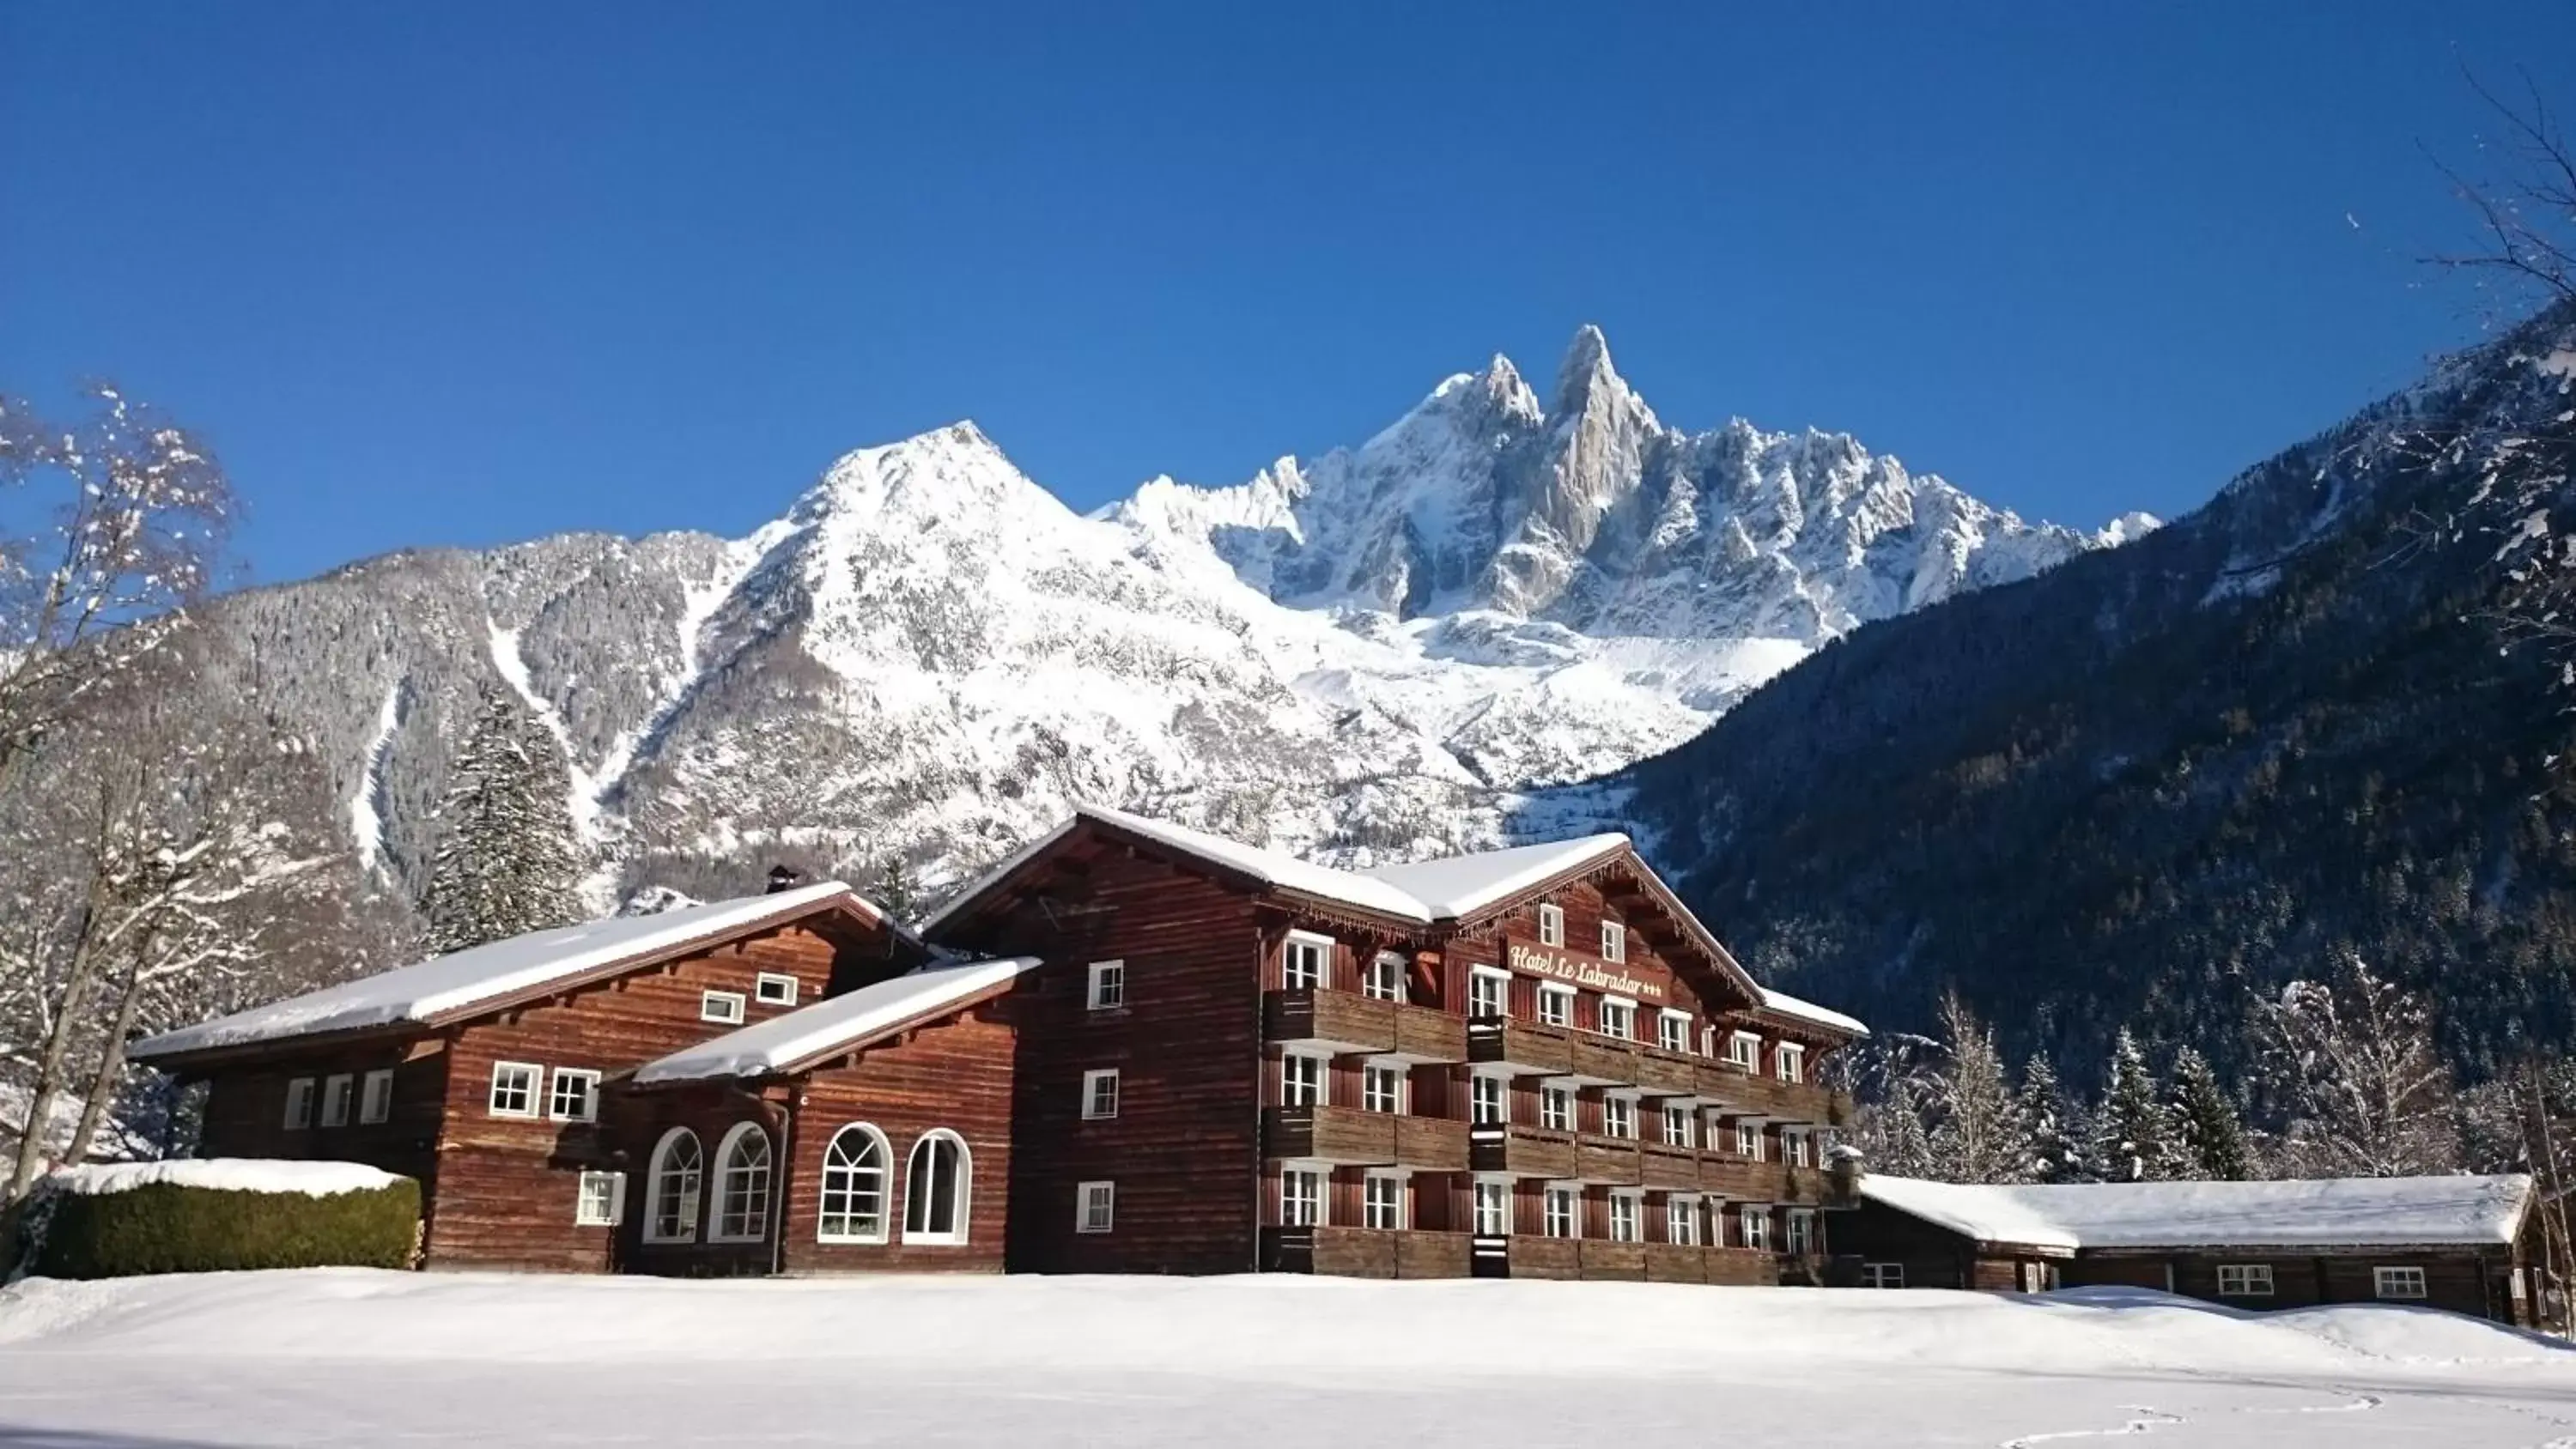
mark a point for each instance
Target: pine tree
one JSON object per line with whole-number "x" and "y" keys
{"x": 2053, "y": 1126}
{"x": 2212, "y": 1137}
{"x": 2134, "y": 1138}
{"x": 895, "y": 890}
{"x": 506, "y": 865}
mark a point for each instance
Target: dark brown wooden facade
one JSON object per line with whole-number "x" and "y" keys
{"x": 502, "y": 1184}
{"x": 1881, "y": 1246}
{"x": 1374, "y": 1162}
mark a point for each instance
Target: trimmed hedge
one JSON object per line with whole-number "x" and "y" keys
{"x": 167, "y": 1228}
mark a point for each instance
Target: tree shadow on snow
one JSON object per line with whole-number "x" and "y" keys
{"x": 15, "y": 1437}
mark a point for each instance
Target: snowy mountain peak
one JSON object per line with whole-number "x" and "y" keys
{"x": 1586, "y": 373}
{"x": 955, "y": 472}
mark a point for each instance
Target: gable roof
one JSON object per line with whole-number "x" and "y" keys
{"x": 1447, "y": 890}
{"x": 2315, "y": 1212}
{"x": 837, "y": 1024}
{"x": 489, "y": 975}
{"x": 1784, "y": 1004}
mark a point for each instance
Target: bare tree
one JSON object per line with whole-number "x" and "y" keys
{"x": 2526, "y": 219}
{"x": 2351, "y": 1071}
{"x": 139, "y": 512}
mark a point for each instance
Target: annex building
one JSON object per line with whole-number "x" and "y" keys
{"x": 1131, "y": 1047}
{"x": 2464, "y": 1243}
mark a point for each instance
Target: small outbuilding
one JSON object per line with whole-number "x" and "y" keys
{"x": 2460, "y": 1243}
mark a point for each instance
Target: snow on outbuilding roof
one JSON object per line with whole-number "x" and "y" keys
{"x": 446, "y": 984}
{"x": 221, "y": 1174}
{"x": 1787, "y": 1005}
{"x": 835, "y": 1024}
{"x": 2314, "y": 1212}
{"x": 1461, "y": 885}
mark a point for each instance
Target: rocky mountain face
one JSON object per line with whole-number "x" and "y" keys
{"x": 2154, "y": 784}
{"x": 1422, "y": 644}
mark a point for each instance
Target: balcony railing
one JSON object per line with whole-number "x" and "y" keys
{"x": 1347, "y": 1021}
{"x": 1733, "y": 1087}
{"x": 1365, "y": 1252}
{"x": 1354, "y": 1137}
{"x": 1521, "y": 1151}
{"x": 1541, "y": 1050}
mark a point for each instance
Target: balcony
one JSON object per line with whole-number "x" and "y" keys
{"x": 1667, "y": 1073}
{"x": 1603, "y": 1061}
{"x": 1539, "y": 1050}
{"x": 1598, "y": 1259}
{"x": 1322, "y": 1020}
{"x": 1670, "y": 1167}
{"x": 1341, "y": 1135}
{"x": 1428, "y": 1034}
{"x": 1521, "y": 1151}
{"x": 1434, "y": 1144}
{"x": 1734, "y": 1089}
{"x": 1364, "y": 1252}
{"x": 1610, "y": 1160}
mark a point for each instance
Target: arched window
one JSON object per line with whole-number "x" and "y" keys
{"x": 671, "y": 1189}
{"x": 855, "y": 1166}
{"x": 936, "y": 1187}
{"x": 742, "y": 1187}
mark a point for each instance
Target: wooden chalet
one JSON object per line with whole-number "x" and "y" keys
{"x": 1531, "y": 1062}
{"x": 2461, "y": 1243}
{"x": 504, "y": 1078}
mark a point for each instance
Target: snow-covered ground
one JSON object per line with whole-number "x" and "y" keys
{"x": 355, "y": 1357}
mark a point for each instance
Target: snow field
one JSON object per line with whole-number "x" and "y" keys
{"x": 337, "y": 1356}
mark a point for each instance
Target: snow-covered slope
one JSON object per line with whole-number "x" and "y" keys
{"x": 1401, "y": 650}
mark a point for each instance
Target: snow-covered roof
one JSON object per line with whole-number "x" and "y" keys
{"x": 225, "y": 1174}
{"x": 834, "y": 1024}
{"x": 1427, "y": 891}
{"x": 438, "y": 987}
{"x": 2314, "y": 1212}
{"x": 1787, "y": 1005}
{"x": 1461, "y": 885}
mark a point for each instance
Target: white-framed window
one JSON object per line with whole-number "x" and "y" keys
{"x": 1882, "y": 1275}
{"x": 1561, "y": 1212}
{"x": 299, "y": 1104}
{"x": 376, "y": 1096}
{"x": 856, "y": 1166}
{"x": 1305, "y": 960}
{"x": 1301, "y": 1197}
{"x": 1681, "y": 1220}
{"x": 1100, "y": 1093}
{"x": 1802, "y": 1231}
{"x": 1614, "y": 941}
{"x": 336, "y": 1091}
{"x": 1755, "y": 1225}
{"x": 742, "y": 1186}
{"x": 1748, "y": 1140}
{"x": 1793, "y": 1147}
{"x": 1619, "y": 1018}
{"x": 2244, "y": 1280}
{"x": 1108, "y": 987}
{"x": 1382, "y": 1088}
{"x": 1302, "y": 1080}
{"x": 1790, "y": 1062}
{"x": 1744, "y": 1049}
{"x": 938, "y": 1187}
{"x": 1382, "y": 1201}
{"x": 515, "y": 1086}
{"x": 1672, "y": 1030}
{"x": 1619, "y": 1116}
{"x": 1384, "y": 978}
{"x": 601, "y": 1202}
{"x": 722, "y": 1007}
{"x": 1493, "y": 1202}
{"x": 1487, "y": 1102}
{"x": 1556, "y": 1005}
{"x": 1099, "y": 1207}
{"x": 671, "y": 1188}
{"x": 1551, "y": 925}
{"x": 1556, "y": 1108}
{"x": 1488, "y": 992}
{"x": 2397, "y": 1282}
{"x": 1677, "y": 1125}
{"x": 1627, "y": 1217}
{"x": 775, "y": 988}
{"x": 575, "y": 1097}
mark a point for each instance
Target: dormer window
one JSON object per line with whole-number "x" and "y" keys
{"x": 1744, "y": 1049}
{"x": 1614, "y": 941}
{"x": 1551, "y": 926}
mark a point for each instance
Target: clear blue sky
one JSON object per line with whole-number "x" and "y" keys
{"x": 468, "y": 273}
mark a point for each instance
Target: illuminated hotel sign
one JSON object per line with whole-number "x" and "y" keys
{"x": 1596, "y": 975}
